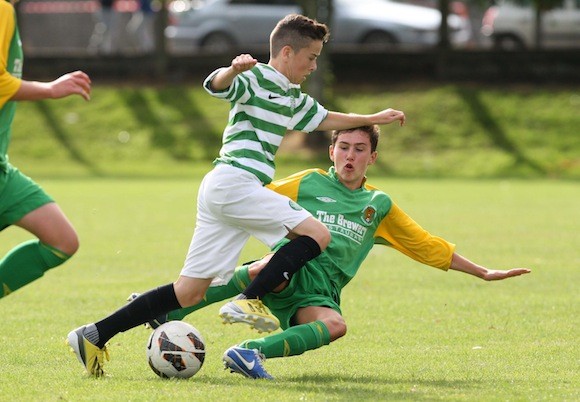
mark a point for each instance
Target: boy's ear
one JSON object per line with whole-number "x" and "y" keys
{"x": 286, "y": 51}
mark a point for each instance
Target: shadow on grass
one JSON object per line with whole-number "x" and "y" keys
{"x": 199, "y": 129}
{"x": 337, "y": 385}
{"x": 164, "y": 137}
{"x": 481, "y": 114}
{"x": 63, "y": 137}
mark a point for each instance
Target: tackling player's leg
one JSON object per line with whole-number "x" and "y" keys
{"x": 247, "y": 362}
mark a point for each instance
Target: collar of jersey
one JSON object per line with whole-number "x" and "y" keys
{"x": 278, "y": 78}
{"x": 333, "y": 176}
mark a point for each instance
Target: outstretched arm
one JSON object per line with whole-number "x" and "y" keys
{"x": 341, "y": 121}
{"x": 460, "y": 263}
{"x": 76, "y": 83}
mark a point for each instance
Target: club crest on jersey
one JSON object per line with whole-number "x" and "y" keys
{"x": 368, "y": 214}
{"x": 294, "y": 206}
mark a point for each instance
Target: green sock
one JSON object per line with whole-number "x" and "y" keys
{"x": 235, "y": 286}
{"x": 292, "y": 341}
{"x": 27, "y": 262}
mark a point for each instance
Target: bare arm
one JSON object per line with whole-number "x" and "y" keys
{"x": 462, "y": 264}
{"x": 77, "y": 83}
{"x": 340, "y": 121}
{"x": 225, "y": 77}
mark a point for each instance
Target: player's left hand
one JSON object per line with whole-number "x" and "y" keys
{"x": 496, "y": 275}
{"x": 388, "y": 116}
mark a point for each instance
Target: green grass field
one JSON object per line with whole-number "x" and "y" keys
{"x": 460, "y": 131}
{"x": 415, "y": 333}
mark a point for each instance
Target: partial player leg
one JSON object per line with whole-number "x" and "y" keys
{"x": 88, "y": 342}
{"x": 30, "y": 260}
{"x": 248, "y": 357}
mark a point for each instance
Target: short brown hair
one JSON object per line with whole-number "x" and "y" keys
{"x": 297, "y": 31}
{"x": 373, "y": 132}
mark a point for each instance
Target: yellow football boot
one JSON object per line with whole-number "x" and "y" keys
{"x": 90, "y": 356}
{"x": 249, "y": 311}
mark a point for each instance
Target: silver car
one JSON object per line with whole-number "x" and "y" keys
{"x": 222, "y": 26}
{"x": 512, "y": 26}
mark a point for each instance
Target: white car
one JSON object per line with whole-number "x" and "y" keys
{"x": 511, "y": 26}
{"x": 221, "y": 26}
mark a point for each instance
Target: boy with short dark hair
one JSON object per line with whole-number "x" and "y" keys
{"x": 233, "y": 204}
{"x": 359, "y": 216}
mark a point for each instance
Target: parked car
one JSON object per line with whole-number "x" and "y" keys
{"x": 513, "y": 26}
{"x": 221, "y": 26}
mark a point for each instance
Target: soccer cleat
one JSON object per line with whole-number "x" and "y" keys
{"x": 154, "y": 323}
{"x": 251, "y": 312}
{"x": 247, "y": 362}
{"x": 90, "y": 356}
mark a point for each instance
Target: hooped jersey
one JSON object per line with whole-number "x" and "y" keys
{"x": 11, "y": 60}
{"x": 358, "y": 219}
{"x": 265, "y": 105}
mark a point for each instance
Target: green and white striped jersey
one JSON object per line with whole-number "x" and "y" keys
{"x": 357, "y": 220}
{"x": 265, "y": 105}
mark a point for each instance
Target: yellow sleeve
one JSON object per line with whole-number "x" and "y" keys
{"x": 9, "y": 84}
{"x": 290, "y": 185}
{"x": 401, "y": 232}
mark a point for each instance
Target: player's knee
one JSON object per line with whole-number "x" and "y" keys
{"x": 187, "y": 296}
{"x": 67, "y": 243}
{"x": 189, "y": 299}
{"x": 325, "y": 241}
{"x": 314, "y": 229}
{"x": 336, "y": 327}
{"x": 322, "y": 236}
{"x": 71, "y": 245}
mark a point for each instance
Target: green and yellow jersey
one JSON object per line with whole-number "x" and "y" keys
{"x": 264, "y": 106}
{"x": 357, "y": 220}
{"x": 11, "y": 60}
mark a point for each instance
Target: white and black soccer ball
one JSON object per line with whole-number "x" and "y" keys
{"x": 175, "y": 349}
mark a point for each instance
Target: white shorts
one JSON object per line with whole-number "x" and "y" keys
{"x": 232, "y": 204}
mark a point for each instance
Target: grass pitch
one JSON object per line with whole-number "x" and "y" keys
{"x": 415, "y": 333}
{"x": 452, "y": 131}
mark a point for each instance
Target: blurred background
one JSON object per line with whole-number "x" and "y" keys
{"x": 479, "y": 39}
{"x": 493, "y": 91}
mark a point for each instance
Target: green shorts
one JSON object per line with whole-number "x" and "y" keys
{"x": 19, "y": 195}
{"x": 310, "y": 286}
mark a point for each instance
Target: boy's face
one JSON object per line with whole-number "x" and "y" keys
{"x": 352, "y": 155}
{"x": 299, "y": 65}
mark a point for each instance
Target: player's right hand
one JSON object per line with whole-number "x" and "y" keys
{"x": 243, "y": 62}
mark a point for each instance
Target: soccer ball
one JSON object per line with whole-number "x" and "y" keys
{"x": 175, "y": 349}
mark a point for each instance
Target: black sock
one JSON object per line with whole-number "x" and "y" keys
{"x": 147, "y": 306}
{"x": 285, "y": 263}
